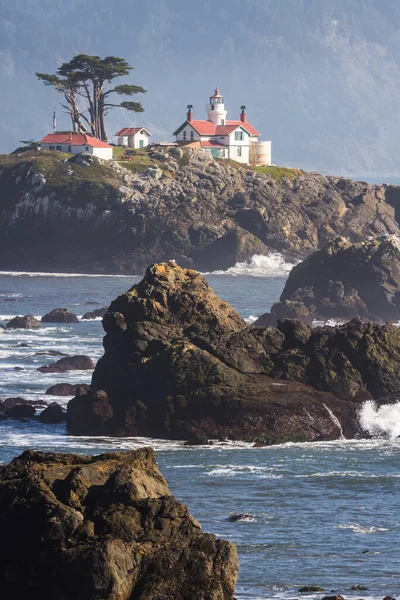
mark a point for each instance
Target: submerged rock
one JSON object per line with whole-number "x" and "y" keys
{"x": 91, "y": 527}
{"x": 27, "y": 322}
{"x": 60, "y": 315}
{"x": 69, "y": 363}
{"x": 343, "y": 281}
{"x": 95, "y": 314}
{"x": 181, "y": 363}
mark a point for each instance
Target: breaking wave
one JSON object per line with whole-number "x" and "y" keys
{"x": 380, "y": 420}
{"x": 273, "y": 265}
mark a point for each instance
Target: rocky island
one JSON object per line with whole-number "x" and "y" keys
{"x": 63, "y": 213}
{"x": 342, "y": 281}
{"x": 180, "y": 363}
{"x": 104, "y": 527}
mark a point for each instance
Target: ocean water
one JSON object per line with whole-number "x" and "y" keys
{"x": 323, "y": 514}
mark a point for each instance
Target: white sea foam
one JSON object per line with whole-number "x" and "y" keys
{"x": 273, "y": 265}
{"x": 42, "y": 274}
{"x": 251, "y": 319}
{"x": 357, "y": 528}
{"x": 232, "y": 470}
{"x": 380, "y": 420}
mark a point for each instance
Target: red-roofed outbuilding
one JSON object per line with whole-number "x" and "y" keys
{"x": 75, "y": 143}
{"x": 133, "y": 137}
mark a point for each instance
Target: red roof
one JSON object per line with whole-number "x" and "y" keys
{"x": 209, "y": 128}
{"x": 131, "y": 131}
{"x": 211, "y": 144}
{"x": 74, "y": 139}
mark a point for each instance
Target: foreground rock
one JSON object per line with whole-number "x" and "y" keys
{"x": 206, "y": 213}
{"x": 91, "y": 527}
{"x": 27, "y": 322}
{"x": 181, "y": 363}
{"x": 60, "y": 315}
{"x": 69, "y": 363}
{"x": 52, "y": 414}
{"x": 342, "y": 281}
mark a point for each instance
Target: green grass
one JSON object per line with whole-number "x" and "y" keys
{"x": 84, "y": 185}
{"x": 278, "y": 173}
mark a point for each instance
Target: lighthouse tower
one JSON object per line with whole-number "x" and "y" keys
{"x": 217, "y": 110}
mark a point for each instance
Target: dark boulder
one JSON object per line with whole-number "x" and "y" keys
{"x": 343, "y": 281}
{"x": 66, "y": 389}
{"x": 107, "y": 527}
{"x": 27, "y": 322}
{"x": 50, "y": 353}
{"x": 60, "y": 315}
{"x": 180, "y": 363}
{"x": 52, "y": 414}
{"x": 244, "y": 517}
{"x": 69, "y": 363}
{"x": 11, "y": 402}
{"x": 20, "y": 411}
{"x": 310, "y": 588}
{"x": 95, "y": 314}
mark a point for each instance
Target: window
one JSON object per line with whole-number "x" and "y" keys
{"x": 192, "y": 135}
{"x": 69, "y": 149}
{"x": 52, "y": 147}
{"x": 222, "y": 121}
{"x": 238, "y": 151}
{"x": 58, "y": 148}
{"x": 87, "y": 148}
{"x": 239, "y": 136}
{"x": 184, "y": 135}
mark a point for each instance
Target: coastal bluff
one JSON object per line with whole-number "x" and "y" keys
{"x": 59, "y": 213}
{"x": 104, "y": 527}
{"x": 180, "y": 363}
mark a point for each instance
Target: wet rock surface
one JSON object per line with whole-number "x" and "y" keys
{"x": 60, "y": 315}
{"x": 95, "y": 314}
{"x": 91, "y": 527}
{"x": 66, "y": 389}
{"x": 27, "y": 322}
{"x": 54, "y": 413}
{"x": 343, "y": 281}
{"x": 69, "y": 363}
{"x": 205, "y": 213}
{"x": 180, "y": 363}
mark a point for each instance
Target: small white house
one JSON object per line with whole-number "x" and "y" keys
{"x": 133, "y": 137}
{"x": 75, "y": 143}
{"x": 224, "y": 138}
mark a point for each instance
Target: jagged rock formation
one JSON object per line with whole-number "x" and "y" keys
{"x": 181, "y": 363}
{"x": 342, "y": 281}
{"x": 204, "y": 213}
{"x": 104, "y": 527}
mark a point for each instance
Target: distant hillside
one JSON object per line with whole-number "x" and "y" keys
{"x": 321, "y": 79}
{"x": 58, "y": 213}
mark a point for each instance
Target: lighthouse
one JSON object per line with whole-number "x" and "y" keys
{"x": 235, "y": 139}
{"x": 217, "y": 110}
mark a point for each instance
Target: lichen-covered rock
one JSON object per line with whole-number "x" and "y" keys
{"x": 60, "y": 315}
{"x": 27, "y": 322}
{"x": 343, "y": 281}
{"x": 104, "y": 528}
{"x": 181, "y": 363}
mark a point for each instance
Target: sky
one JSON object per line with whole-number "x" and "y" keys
{"x": 320, "y": 78}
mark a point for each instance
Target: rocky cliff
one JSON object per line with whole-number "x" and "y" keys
{"x": 104, "y": 527}
{"x": 181, "y": 363}
{"x": 61, "y": 213}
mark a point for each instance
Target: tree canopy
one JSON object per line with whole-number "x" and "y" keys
{"x": 87, "y": 84}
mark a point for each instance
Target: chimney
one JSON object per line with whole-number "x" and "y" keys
{"x": 189, "y": 113}
{"x": 243, "y": 116}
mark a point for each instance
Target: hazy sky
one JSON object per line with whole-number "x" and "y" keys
{"x": 320, "y": 78}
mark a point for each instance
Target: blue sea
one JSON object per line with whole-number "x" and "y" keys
{"x": 324, "y": 514}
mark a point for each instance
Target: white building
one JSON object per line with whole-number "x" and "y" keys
{"x": 75, "y": 143}
{"x": 133, "y": 137}
{"x": 223, "y": 138}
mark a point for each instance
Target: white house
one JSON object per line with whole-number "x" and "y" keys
{"x": 224, "y": 138}
{"x": 133, "y": 137}
{"x": 75, "y": 143}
